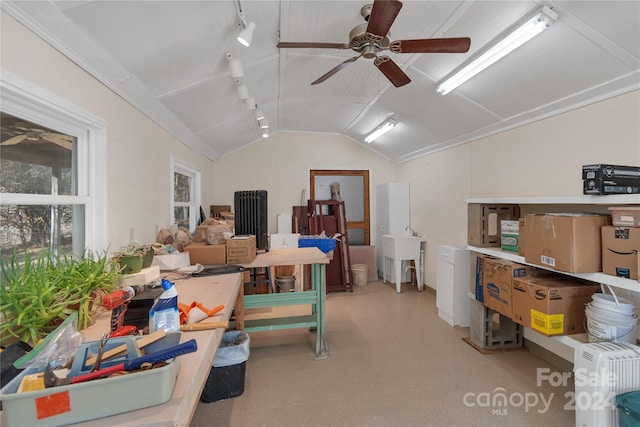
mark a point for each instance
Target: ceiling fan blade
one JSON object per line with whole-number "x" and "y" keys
{"x": 391, "y": 70}
{"x": 312, "y": 45}
{"x": 59, "y": 141}
{"x": 383, "y": 14}
{"x": 335, "y": 70}
{"x": 14, "y": 140}
{"x": 450, "y": 45}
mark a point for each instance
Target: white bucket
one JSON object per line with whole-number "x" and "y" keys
{"x": 360, "y": 274}
{"x": 610, "y": 318}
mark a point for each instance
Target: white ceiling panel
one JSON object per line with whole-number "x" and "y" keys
{"x": 168, "y": 58}
{"x": 616, "y": 20}
{"x": 525, "y": 80}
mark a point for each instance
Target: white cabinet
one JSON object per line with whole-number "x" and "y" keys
{"x": 452, "y": 285}
{"x": 564, "y": 345}
{"x": 393, "y": 216}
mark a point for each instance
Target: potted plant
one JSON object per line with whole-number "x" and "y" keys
{"x": 135, "y": 256}
{"x": 37, "y": 294}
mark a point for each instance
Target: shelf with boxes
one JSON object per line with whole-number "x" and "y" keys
{"x": 509, "y": 209}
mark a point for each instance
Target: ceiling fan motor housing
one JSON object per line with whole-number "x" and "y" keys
{"x": 367, "y": 44}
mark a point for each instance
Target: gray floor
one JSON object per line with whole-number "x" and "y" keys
{"x": 393, "y": 362}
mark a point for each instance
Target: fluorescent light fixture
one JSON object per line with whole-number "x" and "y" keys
{"x": 525, "y": 32}
{"x": 385, "y": 127}
{"x": 264, "y": 124}
{"x": 246, "y": 35}
{"x": 243, "y": 91}
{"x": 259, "y": 114}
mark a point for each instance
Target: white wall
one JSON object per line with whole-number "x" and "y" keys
{"x": 138, "y": 150}
{"x": 281, "y": 163}
{"x": 541, "y": 159}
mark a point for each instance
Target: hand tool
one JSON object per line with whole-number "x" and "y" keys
{"x": 52, "y": 380}
{"x": 203, "y": 326}
{"x": 141, "y": 342}
{"x": 101, "y": 345}
{"x": 117, "y": 302}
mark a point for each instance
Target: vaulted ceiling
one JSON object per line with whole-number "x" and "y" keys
{"x": 169, "y": 59}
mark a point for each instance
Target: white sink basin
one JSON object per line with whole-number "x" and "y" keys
{"x": 401, "y": 247}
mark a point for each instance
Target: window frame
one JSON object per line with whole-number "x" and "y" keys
{"x": 182, "y": 167}
{"x": 25, "y": 100}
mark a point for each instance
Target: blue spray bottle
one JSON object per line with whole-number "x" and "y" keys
{"x": 164, "y": 313}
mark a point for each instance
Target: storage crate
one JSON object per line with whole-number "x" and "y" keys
{"x": 483, "y": 222}
{"x": 628, "y": 408}
{"x": 325, "y": 244}
{"x": 491, "y": 330}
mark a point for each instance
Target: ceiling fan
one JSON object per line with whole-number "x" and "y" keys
{"x": 372, "y": 37}
{"x": 22, "y": 131}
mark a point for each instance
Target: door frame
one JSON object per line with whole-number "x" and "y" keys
{"x": 366, "y": 223}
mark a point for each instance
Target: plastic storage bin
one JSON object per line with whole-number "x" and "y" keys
{"x": 625, "y": 216}
{"x": 628, "y": 409}
{"x": 325, "y": 244}
{"x": 226, "y": 378}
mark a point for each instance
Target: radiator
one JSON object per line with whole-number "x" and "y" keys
{"x": 251, "y": 215}
{"x": 603, "y": 370}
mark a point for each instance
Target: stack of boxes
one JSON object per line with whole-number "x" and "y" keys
{"x": 621, "y": 243}
{"x": 509, "y": 295}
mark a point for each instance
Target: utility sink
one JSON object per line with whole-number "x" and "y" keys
{"x": 397, "y": 249}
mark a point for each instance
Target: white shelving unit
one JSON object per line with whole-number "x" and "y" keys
{"x": 607, "y": 279}
{"x": 563, "y": 345}
{"x": 612, "y": 200}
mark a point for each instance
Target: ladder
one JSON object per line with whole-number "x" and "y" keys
{"x": 321, "y": 218}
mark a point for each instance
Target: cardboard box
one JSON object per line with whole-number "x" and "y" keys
{"x": 172, "y": 261}
{"x": 206, "y": 254}
{"x": 483, "y": 222}
{"x": 509, "y": 235}
{"x": 565, "y": 242}
{"x": 241, "y": 249}
{"x": 611, "y": 186}
{"x": 551, "y": 306}
{"x": 620, "y": 248}
{"x": 601, "y": 171}
{"x": 477, "y": 274}
{"x": 497, "y": 283}
{"x": 521, "y": 236}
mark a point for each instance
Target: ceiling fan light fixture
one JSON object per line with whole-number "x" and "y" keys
{"x": 246, "y": 35}
{"x": 259, "y": 114}
{"x": 383, "y": 128}
{"x": 507, "y": 44}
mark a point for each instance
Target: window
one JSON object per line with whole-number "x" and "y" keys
{"x": 185, "y": 185}
{"x": 52, "y": 190}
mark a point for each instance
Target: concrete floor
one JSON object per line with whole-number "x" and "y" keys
{"x": 393, "y": 362}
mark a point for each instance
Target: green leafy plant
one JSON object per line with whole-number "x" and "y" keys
{"x": 37, "y": 294}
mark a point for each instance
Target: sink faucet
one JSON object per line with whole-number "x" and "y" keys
{"x": 410, "y": 230}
